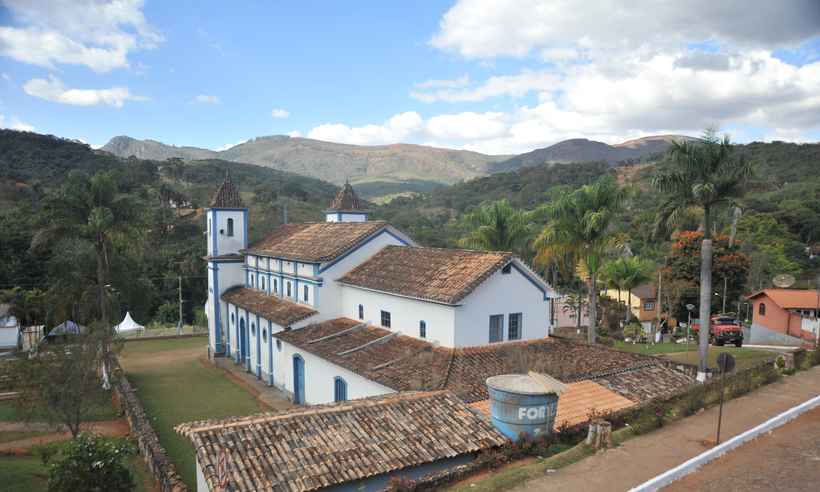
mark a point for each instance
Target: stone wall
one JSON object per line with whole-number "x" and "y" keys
{"x": 147, "y": 440}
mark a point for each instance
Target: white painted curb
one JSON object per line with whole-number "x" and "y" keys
{"x": 693, "y": 464}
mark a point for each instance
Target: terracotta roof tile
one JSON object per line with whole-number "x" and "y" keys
{"x": 280, "y": 311}
{"x": 791, "y": 298}
{"x": 576, "y": 404}
{"x": 346, "y": 201}
{"x": 227, "y": 196}
{"x": 317, "y": 241}
{"x": 404, "y": 363}
{"x": 313, "y": 447}
{"x": 437, "y": 274}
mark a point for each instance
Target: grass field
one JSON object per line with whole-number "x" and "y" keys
{"x": 28, "y": 474}
{"x": 745, "y": 357}
{"x": 175, "y": 387}
{"x": 102, "y": 409}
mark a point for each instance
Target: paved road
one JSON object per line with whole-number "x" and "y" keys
{"x": 785, "y": 460}
{"x": 644, "y": 457}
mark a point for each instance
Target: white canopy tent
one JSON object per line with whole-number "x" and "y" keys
{"x": 128, "y": 325}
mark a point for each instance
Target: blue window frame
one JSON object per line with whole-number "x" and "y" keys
{"x": 230, "y": 227}
{"x": 339, "y": 389}
{"x": 422, "y": 329}
{"x": 275, "y": 286}
{"x": 386, "y": 319}
{"x": 361, "y": 311}
{"x": 496, "y": 328}
{"x": 514, "y": 326}
{"x": 305, "y": 291}
{"x": 288, "y": 286}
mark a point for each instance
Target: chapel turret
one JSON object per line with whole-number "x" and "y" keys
{"x": 346, "y": 207}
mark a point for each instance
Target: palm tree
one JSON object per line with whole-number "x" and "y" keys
{"x": 498, "y": 226}
{"x": 706, "y": 174}
{"x": 579, "y": 228}
{"x": 635, "y": 271}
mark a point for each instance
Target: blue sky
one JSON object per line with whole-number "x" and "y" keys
{"x": 491, "y": 76}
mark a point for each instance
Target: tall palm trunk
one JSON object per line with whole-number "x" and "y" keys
{"x": 705, "y": 294}
{"x": 628, "y": 305}
{"x": 593, "y": 308}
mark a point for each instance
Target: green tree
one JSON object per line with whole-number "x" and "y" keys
{"x": 497, "y": 226}
{"x": 91, "y": 463}
{"x": 626, "y": 273}
{"x": 705, "y": 174}
{"x": 580, "y": 227}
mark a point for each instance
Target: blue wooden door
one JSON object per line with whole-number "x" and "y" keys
{"x": 298, "y": 380}
{"x": 243, "y": 338}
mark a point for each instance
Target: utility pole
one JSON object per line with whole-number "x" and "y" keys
{"x": 725, "y": 283}
{"x": 179, "y": 290}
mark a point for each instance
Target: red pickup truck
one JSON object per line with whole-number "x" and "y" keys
{"x": 724, "y": 329}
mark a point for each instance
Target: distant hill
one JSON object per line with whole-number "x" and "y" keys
{"x": 584, "y": 150}
{"x": 328, "y": 161}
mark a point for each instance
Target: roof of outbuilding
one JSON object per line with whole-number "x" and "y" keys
{"x": 435, "y": 274}
{"x": 227, "y": 196}
{"x": 346, "y": 200}
{"x": 405, "y": 363}
{"x": 790, "y": 298}
{"x": 316, "y": 241}
{"x": 577, "y": 403}
{"x": 280, "y": 311}
{"x": 308, "y": 448}
{"x": 645, "y": 291}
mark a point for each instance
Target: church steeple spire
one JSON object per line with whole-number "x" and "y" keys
{"x": 227, "y": 196}
{"x": 346, "y": 207}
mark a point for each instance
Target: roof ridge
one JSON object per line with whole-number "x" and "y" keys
{"x": 266, "y": 417}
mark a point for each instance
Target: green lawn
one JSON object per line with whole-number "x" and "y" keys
{"x": 9, "y": 436}
{"x": 28, "y": 474}
{"x": 102, "y": 409}
{"x": 744, "y": 357}
{"x": 677, "y": 352}
{"x": 175, "y": 387}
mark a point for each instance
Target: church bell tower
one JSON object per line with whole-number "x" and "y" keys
{"x": 346, "y": 207}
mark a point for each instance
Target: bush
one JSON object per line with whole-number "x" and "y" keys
{"x": 88, "y": 463}
{"x": 633, "y": 331}
{"x": 167, "y": 313}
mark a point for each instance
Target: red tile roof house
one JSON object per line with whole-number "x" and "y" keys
{"x": 784, "y": 317}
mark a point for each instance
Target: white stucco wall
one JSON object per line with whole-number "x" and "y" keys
{"x": 330, "y": 302}
{"x": 201, "y": 484}
{"x": 217, "y": 227}
{"x": 405, "y": 313}
{"x": 501, "y": 294}
{"x": 344, "y": 217}
{"x": 228, "y": 274}
{"x": 319, "y": 377}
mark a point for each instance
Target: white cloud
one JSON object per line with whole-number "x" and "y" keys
{"x": 397, "y": 129}
{"x": 54, "y": 90}
{"x": 295, "y": 134}
{"x": 280, "y": 113}
{"x": 97, "y": 34}
{"x": 444, "y": 83}
{"x": 15, "y": 124}
{"x": 492, "y": 28}
{"x": 204, "y": 99}
{"x": 503, "y": 85}
{"x": 228, "y": 146}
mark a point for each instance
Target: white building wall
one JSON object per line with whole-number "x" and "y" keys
{"x": 219, "y": 243}
{"x": 501, "y": 294}
{"x": 319, "y": 377}
{"x": 330, "y": 302}
{"x": 405, "y": 313}
{"x": 344, "y": 217}
{"x": 201, "y": 483}
{"x": 221, "y": 277}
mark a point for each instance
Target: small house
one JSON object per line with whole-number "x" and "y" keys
{"x": 784, "y": 317}
{"x": 9, "y": 329}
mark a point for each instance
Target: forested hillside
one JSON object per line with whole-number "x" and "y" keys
{"x": 780, "y": 211}
{"x": 158, "y": 219}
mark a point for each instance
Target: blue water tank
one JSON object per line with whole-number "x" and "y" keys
{"x": 520, "y": 405}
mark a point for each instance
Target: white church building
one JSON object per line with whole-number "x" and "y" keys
{"x": 334, "y": 310}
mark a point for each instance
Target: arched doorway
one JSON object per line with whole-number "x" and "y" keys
{"x": 298, "y": 380}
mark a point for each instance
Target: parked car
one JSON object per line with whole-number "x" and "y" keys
{"x": 724, "y": 329}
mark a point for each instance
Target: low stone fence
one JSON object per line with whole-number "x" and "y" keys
{"x": 165, "y": 337}
{"x": 147, "y": 440}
